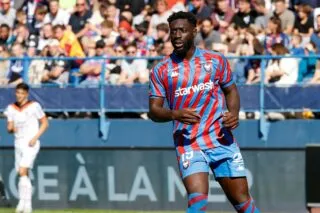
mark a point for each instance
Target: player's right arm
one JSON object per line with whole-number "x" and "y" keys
{"x": 157, "y": 95}
{"x": 158, "y": 113}
{"x": 10, "y": 124}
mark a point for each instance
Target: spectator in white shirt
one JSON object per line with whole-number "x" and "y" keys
{"x": 8, "y": 14}
{"x": 133, "y": 70}
{"x": 56, "y": 16}
{"x": 282, "y": 71}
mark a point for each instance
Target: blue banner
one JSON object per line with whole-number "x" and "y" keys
{"x": 135, "y": 98}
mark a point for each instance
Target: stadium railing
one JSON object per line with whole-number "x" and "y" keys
{"x": 266, "y": 96}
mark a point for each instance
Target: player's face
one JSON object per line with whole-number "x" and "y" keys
{"x": 182, "y": 35}
{"x": 21, "y": 95}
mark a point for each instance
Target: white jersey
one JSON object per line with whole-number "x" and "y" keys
{"x": 25, "y": 120}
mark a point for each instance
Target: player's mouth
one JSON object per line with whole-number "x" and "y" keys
{"x": 178, "y": 44}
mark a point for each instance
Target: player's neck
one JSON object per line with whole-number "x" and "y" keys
{"x": 189, "y": 54}
{"x": 22, "y": 103}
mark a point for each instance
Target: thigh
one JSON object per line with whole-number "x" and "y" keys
{"x": 17, "y": 158}
{"x": 226, "y": 161}
{"x": 236, "y": 189}
{"x": 194, "y": 170}
{"x": 29, "y": 155}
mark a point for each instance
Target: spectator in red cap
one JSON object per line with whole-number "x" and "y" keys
{"x": 125, "y": 31}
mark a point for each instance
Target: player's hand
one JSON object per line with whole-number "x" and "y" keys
{"x": 186, "y": 116}
{"x": 230, "y": 121}
{"x": 33, "y": 142}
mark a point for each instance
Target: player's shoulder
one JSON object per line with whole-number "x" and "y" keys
{"x": 35, "y": 104}
{"x": 160, "y": 65}
{"x": 210, "y": 54}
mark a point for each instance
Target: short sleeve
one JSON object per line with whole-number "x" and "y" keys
{"x": 38, "y": 111}
{"x": 8, "y": 114}
{"x": 226, "y": 78}
{"x": 156, "y": 88}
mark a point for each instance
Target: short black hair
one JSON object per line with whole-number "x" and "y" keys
{"x": 23, "y": 86}
{"x": 183, "y": 15}
{"x": 5, "y": 26}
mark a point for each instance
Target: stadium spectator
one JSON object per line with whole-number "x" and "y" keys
{"x": 307, "y": 65}
{"x": 21, "y": 18}
{"x": 4, "y": 66}
{"x": 167, "y": 48}
{"x": 286, "y": 16}
{"x": 143, "y": 16}
{"x": 16, "y": 71}
{"x": 114, "y": 67}
{"x": 113, "y": 14}
{"x": 240, "y": 66}
{"x": 68, "y": 41}
{"x": 245, "y": 16}
{"x": 296, "y": 45}
{"x": 207, "y": 35}
{"x": 125, "y": 37}
{"x": 222, "y": 15}
{"x": 141, "y": 39}
{"x": 282, "y": 71}
{"x": 7, "y": 14}
{"x": 162, "y": 35}
{"x": 274, "y": 34}
{"x": 56, "y": 71}
{"x": 232, "y": 39}
{"x": 304, "y": 22}
{"x": 56, "y": 16}
{"x": 6, "y": 38}
{"x": 315, "y": 37}
{"x": 78, "y": 20}
{"x": 200, "y": 9}
{"x": 261, "y": 21}
{"x": 91, "y": 68}
{"x": 161, "y": 16}
{"x": 133, "y": 70}
{"x": 36, "y": 24}
{"x": 36, "y": 69}
{"x": 21, "y": 34}
{"x": 46, "y": 34}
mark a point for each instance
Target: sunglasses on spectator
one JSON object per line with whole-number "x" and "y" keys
{"x": 131, "y": 52}
{"x": 80, "y": 4}
{"x": 5, "y": 3}
{"x": 119, "y": 50}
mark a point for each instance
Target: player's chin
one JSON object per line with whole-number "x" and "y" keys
{"x": 180, "y": 50}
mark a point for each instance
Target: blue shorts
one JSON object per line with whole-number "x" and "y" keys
{"x": 224, "y": 161}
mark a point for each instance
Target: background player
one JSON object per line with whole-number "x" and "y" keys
{"x": 23, "y": 121}
{"x": 196, "y": 83}
{"x": 3, "y": 198}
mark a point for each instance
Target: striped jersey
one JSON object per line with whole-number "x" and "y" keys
{"x": 196, "y": 83}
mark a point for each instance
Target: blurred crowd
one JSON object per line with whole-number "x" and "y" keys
{"x": 80, "y": 28}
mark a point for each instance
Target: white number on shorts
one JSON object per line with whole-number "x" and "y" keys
{"x": 187, "y": 156}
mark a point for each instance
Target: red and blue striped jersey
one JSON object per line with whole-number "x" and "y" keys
{"x": 196, "y": 83}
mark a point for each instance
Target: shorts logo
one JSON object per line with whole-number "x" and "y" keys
{"x": 238, "y": 160}
{"x": 186, "y": 164}
{"x": 186, "y": 157}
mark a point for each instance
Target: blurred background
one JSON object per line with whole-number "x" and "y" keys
{"x": 88, "y": 63}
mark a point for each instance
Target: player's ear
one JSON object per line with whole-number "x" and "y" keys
{"x": 195, "y": 31}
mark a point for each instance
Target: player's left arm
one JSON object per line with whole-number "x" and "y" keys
{"x": 229, "y": 88}
{"x": 44, "y": 124}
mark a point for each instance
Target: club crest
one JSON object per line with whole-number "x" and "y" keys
{"x": 186, "y": 164}
{"x": 207, "y": 67}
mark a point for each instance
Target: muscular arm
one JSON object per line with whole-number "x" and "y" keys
{"x": 232, "y": 99}
{"x": 157, "y": 112}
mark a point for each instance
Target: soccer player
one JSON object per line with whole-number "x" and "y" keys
{"x": 23, "y": 121}
{"x": 197, "y": 84}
